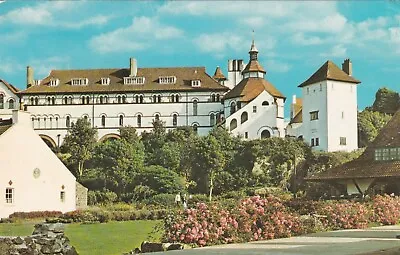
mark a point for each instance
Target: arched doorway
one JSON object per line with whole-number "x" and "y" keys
{"x": 265, "y": 134}
{"x": 109, "y": 137}
{"x": 49, "y": 141}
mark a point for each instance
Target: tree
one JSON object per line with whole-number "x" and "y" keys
{"x": 369, "y": 125}
{"x": 79, "y": 143}
{"x": 120, "y": 159}
{"x": 153, "y": 141}
{"x": 386, "y": 101}
{"x": 160, "y": 180}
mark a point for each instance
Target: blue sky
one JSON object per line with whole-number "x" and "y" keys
{"x": 294, "y": 38}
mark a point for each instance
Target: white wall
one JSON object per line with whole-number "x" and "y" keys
{"x": 22, "y": 150}
{"x": 342, "y": 99}
{"x": 265, "y": 118}
{"x": 6, "y": 112}
{"x": 130, "y": 110}
{"x": 315, "y": 99}
{"x": 363, "y": 184}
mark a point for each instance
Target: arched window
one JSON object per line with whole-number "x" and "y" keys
{"x": 38, "y": 122}
{"x": 239, "y": 105}
{"x": 137, "y": 99}
{"x": 233, "y": 124}
{"x": 67, "y": 121}
{"x": 212, "y": 119}
{"x": 218, "y": 99}
{"x": 33, "y": 122}
{"x": 51, "y": 122}
{"x": 265, "y": 103}
{"x": 213, "y": 98}
{"x": 244, "y": 117}
{"x": 48, "y": 100}
{"x": 233, "y": 108}
{"x": 195, "y": 108}
{"x": 70, "y": 99}
{"x": 172, "y": 98}
{"x": 159, "y": 98}
{"x": 157, "y": 116}
{"x": 174, "y": 120}
{"x": 53, "y": 100}
{"x": 11, "y": 103}
{"x": 56, "y": 122}
{"x": 195, "y": 127}
{"x": 44, "y": 121}
{"x": 87, "y": 99}
{"x": 119, "y": 99}
{"x": 65, "y": 100}
{"x": 1, "y": 101}
{"x": 101, "y": 100}
{"x": 85, "y": 118}
{"x": 123, "y": 99}
{"x": 83, "y": 100}
{"x": 103, "y": 120}
{"x": 121, "y": 120}
{"x": 154, "y": 98}
{"x": 31, "y": 99}
{"x": 177, "y": 98}
{"x": 36, "y": 100}
{"x": 265, "y": 134}
{"x": 139, "y": 120}
{"x": 141, "y": 99}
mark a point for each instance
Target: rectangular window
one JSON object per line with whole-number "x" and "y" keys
{"x": 62, "y": 196}
{"x": 343, "y": 141}
{"x": 342, "y": 114}
{"x": 314, "y": 115}
{"x": 9, "y": 195}
{"x": 312, "y": 142}
{"x": 254, "y": 108}
{"x": 320, "y": 87}
{"x": 317, "y": 141}
{"x": 246, "y": 135}
{"x": 137, "y": 80}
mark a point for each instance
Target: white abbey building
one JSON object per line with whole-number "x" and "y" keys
{"x": 245, "y": 103}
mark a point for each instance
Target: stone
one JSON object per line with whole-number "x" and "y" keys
{"x": 151, "y": 247}
{"x": 56, "y": 228}
{"x": 18, "y": 240}
{"x": 175, "y": 246}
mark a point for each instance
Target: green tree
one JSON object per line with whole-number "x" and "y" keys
{"x": 153, "y": 141}
{"x": 79, "y": 143}
{"x": 120, "y": 160}
{"x": 386, "y": 101}
{"x": 369, "y": 125}
{"x": 160, "y": 180}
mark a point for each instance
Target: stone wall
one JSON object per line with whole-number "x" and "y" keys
{"x": 46, "y": 239}
{"x": 81, "y": 196}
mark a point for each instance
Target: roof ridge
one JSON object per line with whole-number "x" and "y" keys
{"x": 117, "y": 68}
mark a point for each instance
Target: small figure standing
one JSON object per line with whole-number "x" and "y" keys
{"x": 178, "y": 199}
{"x": 184, "y": 201}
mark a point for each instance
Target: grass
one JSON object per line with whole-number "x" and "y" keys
{"x": 110, "y": 238}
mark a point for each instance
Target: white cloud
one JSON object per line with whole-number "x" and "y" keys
{"x": 43, "y": 66}
{"x": 138, "y": 36}
{"x": 330, "y": 24}
{"x": 336, "y": 52}
{"x": 254, "y": 22}
{"x": 300, "y": 39}
{"x": 277, "y": 66}
{"x": 219, "y": 42}
{"x": 9, "y": 66}
{"x": 49, "y": 14}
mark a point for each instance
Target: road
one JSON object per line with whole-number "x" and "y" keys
{"x": 367, "y": 241}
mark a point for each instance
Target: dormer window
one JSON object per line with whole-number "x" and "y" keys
{"x": 167, "y": 79}
{"x": 105, "y": 81}
{"x": 54, "y": 82}
{"x": 137, "y": 80}
{"x": 196, "y": 83}
{"x": 80, "y": 81}
{"x": 37, "y": 82}
{"x": 387, "y": 154}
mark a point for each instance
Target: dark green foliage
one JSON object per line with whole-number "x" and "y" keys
{"x": 369, "y": 125}
{"x": 161, "y": 200}
{"x": 79, "y": 144}
{"x": 160, "y": 180}
{"x": 386, "y": 101}
{"x": 101, "y": 197}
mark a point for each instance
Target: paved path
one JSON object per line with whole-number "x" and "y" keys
{"x": 342, "y": 242}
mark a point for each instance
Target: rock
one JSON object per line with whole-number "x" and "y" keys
{"x": 175, "y": 246}
{"x": 151, "y": 247}
{"x": 18, "y": 240}
{"x": 57, "y": 228}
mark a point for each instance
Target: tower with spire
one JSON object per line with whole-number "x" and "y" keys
{"x": 254, "y": 108}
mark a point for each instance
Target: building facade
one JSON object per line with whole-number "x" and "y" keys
{"x": 32, "y": 178}
{"x": 9, "y": 99}
{"x": 112, "y": 98}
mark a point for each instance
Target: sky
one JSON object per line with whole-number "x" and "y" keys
{"x": 294, "y": 38}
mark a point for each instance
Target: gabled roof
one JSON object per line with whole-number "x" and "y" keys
{"x": 297, "y": 111}
{"x": 366, "y": 166}
{"x": 298, "y": 117}
{"x": 218, "y": 75}
{"x": 250, "y": 88}
{"x": 329, "y": 71}
{"x": 10, "y": 86}
{"x": 184, "y": 76}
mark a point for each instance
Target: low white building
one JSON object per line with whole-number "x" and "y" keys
{"x": 254, "y": 108}
{"x": 329, "y": 109}
{"x": 32, "y": 178}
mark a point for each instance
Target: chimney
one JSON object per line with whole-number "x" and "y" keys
{"x": 21, "y": 118}
{"x": 230, "y": 65}
{"x": 292, "y": 108}
{"x": 29, "y": 77}
{"x": 347, "y": 67}
{"x": 133, "y": 67}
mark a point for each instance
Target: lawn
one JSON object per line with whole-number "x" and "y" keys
{"x": 96, "y": 239}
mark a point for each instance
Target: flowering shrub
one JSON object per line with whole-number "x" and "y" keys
{"x": 385, "y": 210}
{"x": 344, "y": 215}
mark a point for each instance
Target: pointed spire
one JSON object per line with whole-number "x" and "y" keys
{"x": 218, "y": 75}
{"x": 253, "y": 50}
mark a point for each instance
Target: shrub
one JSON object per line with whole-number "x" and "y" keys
{"x": 35, "y": 214}
{"x": 101, "y": 197}
{"x": 198, "y": 198}
{"x": 161, "y": 200}
{"x": 385, "y": 210}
